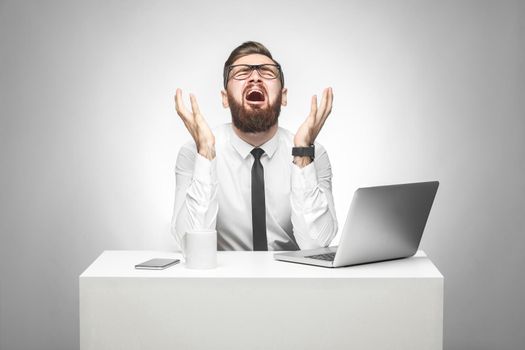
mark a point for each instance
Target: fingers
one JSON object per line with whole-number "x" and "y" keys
{"x": 328, "y": 107}
{"x": 330, "y": 99}
{"x": 326, "y": 103}
{"x": 185, "y": 115}
{"x": 325, "y": 107}
{"x": 195, "y": 106}
{"x": 194, "y": 119}
{"x": 179, "y": 105}
{"x": 311, "y": 127}
{"x": 322, "y": 107}
{"x": 313, "y": 107}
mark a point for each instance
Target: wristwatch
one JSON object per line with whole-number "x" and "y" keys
{"x": 304, "y": 151}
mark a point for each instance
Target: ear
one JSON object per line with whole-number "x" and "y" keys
{"x": 224, "y": 96}
{"x": 284, "y": 98}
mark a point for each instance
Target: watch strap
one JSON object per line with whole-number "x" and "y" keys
{"x": 304, "y": 151}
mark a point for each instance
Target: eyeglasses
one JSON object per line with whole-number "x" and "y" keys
{"x": 244, "y": 71}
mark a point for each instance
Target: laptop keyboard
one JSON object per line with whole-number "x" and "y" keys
{"x": 328, "y": 256}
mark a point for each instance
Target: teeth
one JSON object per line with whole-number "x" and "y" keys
{"x": 255, "y": 95}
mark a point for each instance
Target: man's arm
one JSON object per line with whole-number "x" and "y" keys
{"x": 313, "y": 211}
{"x": 196, "y": 205}
{"x": 196, "y": 125}
{"x": 196, "y": 184}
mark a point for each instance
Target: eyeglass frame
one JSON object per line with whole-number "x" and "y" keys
{"x": 253, "y": 67}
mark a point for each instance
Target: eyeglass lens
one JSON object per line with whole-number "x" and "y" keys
{"x": 243, "y": 71}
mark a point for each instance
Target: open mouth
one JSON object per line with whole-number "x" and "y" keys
{"x": 255, "y": 96}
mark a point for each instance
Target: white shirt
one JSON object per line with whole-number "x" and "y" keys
{"x": 216, "y": 194}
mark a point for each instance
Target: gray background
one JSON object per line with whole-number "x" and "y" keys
{"x": 88, "y": 136}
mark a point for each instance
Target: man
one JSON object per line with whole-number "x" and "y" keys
{"x": 241, "y": 178}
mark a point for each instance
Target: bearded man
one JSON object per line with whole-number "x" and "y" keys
{"x": 258, "y": 185}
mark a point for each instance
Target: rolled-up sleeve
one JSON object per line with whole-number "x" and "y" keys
{"x": 312, "y": 204}
{"x": 196, "y": 205}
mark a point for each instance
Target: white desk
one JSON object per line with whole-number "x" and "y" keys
{"x": 253, "y": 302}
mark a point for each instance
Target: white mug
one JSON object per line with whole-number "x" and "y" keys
{"x": 199, "y": 248}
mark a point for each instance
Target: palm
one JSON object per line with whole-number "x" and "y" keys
{"x": 194, "y": 122}
{"x": 308, "y": 131}
{"x": 304, "y": 134}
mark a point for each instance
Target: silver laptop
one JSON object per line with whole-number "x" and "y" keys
{"x": 383, "y": 223}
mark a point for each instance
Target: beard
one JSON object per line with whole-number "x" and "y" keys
{"x": 249, "y": 119}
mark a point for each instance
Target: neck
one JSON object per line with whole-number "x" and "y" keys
{"x": 256, "y": 138}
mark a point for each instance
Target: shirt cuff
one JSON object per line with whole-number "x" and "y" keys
{"x": 205, "y": 170}
{"x": 304, "y": 179}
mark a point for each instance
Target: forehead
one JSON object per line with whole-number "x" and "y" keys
{"x": 254, "y": 59}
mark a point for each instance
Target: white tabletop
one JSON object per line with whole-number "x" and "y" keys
{"x": 242, "y": 264}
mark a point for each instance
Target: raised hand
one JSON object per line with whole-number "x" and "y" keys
{"x": 196, "y": 125}
{"x": 311, "y": 127}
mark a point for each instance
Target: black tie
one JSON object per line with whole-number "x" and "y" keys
{"x": 258, "y": 203}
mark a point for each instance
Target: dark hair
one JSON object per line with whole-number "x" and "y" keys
{"x": 245, "y": 49}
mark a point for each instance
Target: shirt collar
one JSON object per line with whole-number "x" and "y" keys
{"x": 244, "y": 148}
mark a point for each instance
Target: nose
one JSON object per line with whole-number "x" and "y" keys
{"x": 254, "y": 76}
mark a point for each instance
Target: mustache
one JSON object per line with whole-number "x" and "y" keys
{"x": 252, "y": 86}
{"x": 252, "y": 120}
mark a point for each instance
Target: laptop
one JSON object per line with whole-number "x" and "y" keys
{"x": 383, "y": 223}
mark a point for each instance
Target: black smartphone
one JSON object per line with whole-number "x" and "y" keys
{"x": 157, "y": 264}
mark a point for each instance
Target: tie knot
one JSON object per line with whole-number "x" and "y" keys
{"x": 257, "y": 152}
